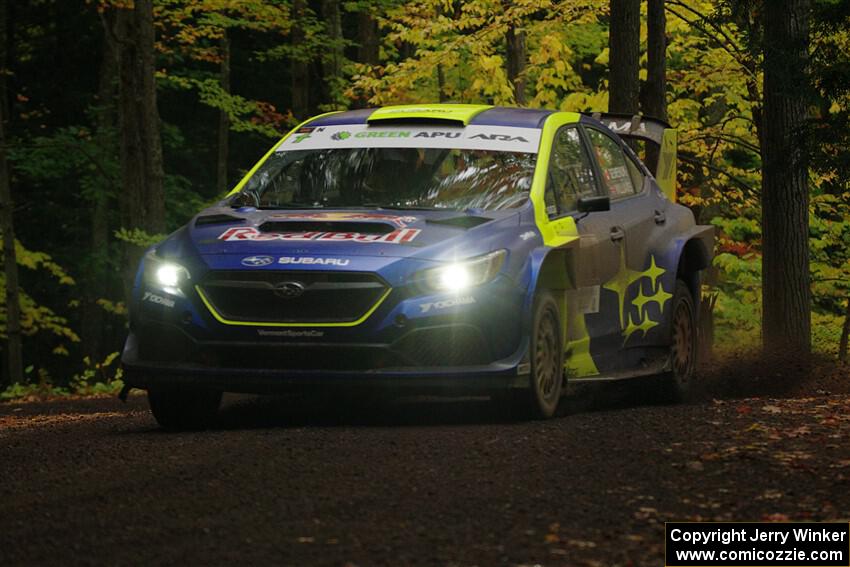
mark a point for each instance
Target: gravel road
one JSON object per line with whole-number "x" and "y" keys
{"x": 293, "y": 482}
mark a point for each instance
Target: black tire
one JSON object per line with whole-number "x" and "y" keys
{"x": 184, "y": 409}
{"x": 678, "y": 383}
{"x": 541, "y": 398}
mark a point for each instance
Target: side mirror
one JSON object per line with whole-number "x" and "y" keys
{"x": 595, "y": 204}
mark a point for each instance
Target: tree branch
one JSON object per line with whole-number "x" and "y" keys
{"x": 719, "y": 170}
{"x": 705, "y": 18}
{"x": 727, "y": 138}
{"x": 734, "y": 54}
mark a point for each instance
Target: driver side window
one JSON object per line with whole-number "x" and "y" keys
{"x": 570, "y": 173}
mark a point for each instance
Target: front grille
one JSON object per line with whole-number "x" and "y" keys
{"x": 292, "y": 297}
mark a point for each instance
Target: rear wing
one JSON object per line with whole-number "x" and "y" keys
{"x": 661, "y": 148}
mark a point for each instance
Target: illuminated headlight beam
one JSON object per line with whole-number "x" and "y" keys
{"x": 459, "y": 276}
{"x": 165, "y": 275}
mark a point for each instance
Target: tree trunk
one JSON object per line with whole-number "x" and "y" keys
{"x": 786, "y": 298}
{"x": 92, "y": 319}
{"x": 654, "y": 96}
{"x": 367, "y": 38}
{"x": 223, "y": 118}
{"x": 441, "y": 84}
{"x": 300, "y": 67}
{"x": 142, "y": 192}
{"x": 333, "y": 58}
{"x": 367, "y": 46}
{"x": 154, "y": 170}
{"x": 845, "y": 334}
{"x": 624, "y": 56}
{"x": 4, "y": 57}
{"x": 516, "y": 59}
{"x": 14, "y": 354}
{"x": 654, "y": 93}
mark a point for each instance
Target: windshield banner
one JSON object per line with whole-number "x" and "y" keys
{"x": 495, "y": 138}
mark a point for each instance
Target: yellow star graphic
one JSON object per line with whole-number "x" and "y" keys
{"x": 661, "y": 297}
{"x": 641, "y": 300}
{"x": 630, "y": 329}
{"x": 620, "y": 283}
{"x": 646, "y": 325}
{"x": 653, "y": 272}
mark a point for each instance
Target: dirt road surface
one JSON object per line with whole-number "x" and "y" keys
{"x": 290, "y": 482}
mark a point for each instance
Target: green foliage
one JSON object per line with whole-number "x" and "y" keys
{"x": 739, "y": 229}
{"x": 738, "y": 275}
{"x": 245, "y": 115}
{"x": 830, "y": 159}
{"x": 826, "y": 333}
{"x": 69, "y": 151}
{"x": 467, "y": 42}
{"x": 194, "y": 29}
{"x": 37, "y": 318}
{"x": 116, "y": 308}
{"x": 737, "y": 314}
{"x": 98, "y": 378}
{"x": 24, "y": 391}
{"x": 138, "y": 237}
{"x": 42, "y": 389}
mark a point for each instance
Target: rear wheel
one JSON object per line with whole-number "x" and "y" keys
{"x": 679, "y": 381}
{"x": 540, "y": 400}
{"x": 184, "y": 409}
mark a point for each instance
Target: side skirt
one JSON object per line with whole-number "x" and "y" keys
{"x": 658, "y": 366}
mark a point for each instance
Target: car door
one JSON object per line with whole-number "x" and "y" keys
{"x": 638, "y": 219}
{"x": 572, "y": 176}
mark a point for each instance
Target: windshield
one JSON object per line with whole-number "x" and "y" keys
{"x": 410, "y": 178}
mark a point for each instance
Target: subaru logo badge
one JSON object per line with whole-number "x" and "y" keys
{"x": 257, "y": 261}
{"x": 289, "y": 290}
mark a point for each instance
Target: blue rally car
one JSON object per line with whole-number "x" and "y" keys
{"x": 429, "y": 249}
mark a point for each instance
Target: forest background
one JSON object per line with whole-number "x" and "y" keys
{"x": 121, "y": 119}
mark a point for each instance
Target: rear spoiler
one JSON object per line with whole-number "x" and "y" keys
{"x": 659, "y": 134}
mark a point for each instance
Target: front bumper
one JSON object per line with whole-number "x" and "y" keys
{"x": 457, "y": 381}
{"x": 352, "y": 366}
{"x": 410, "y": 343}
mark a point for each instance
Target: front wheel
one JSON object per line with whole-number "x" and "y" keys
{"x": 184, "y": 409}
{"x": 679, "y": 381}
{"x": 540, "y": 400}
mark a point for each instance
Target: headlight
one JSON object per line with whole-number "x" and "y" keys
{"x": 469, "y": 273}
{"x": 168, "y": 275}
{"x": 165, "y": 274}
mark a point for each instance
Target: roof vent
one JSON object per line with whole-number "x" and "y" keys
{"x": 454, "y": 114}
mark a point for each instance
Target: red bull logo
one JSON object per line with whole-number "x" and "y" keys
{"x": 399, "y": 236}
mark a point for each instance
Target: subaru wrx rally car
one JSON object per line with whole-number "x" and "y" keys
{"x": 437, "y": 248}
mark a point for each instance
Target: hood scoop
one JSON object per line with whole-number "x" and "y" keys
{"x": 327, "y": 226}
{"x": 207, "y": 220}
{"x": 465, "y": 222}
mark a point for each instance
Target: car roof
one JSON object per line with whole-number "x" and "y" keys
{"x": 477, "y": 115}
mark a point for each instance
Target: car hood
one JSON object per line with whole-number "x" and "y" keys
{"x": 426, "y": 235}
